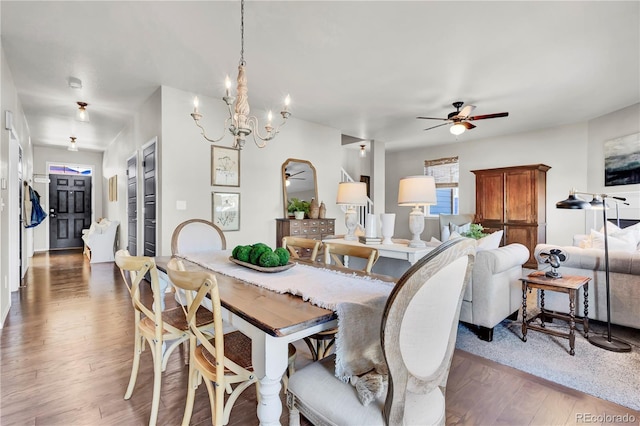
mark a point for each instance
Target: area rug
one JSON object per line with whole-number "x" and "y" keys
{"x": 608, "y": 375}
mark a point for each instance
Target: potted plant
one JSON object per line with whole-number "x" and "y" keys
{"x": 298, "y": 207}
{"x": 475, "y": 231}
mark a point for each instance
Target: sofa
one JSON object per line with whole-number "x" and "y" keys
{"x": 100, "y": 241}
{"x": 586, "y": 258}
{"x": 495, "y": 290}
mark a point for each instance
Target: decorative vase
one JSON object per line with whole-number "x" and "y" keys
{"x": 388, "y": 224}
{"x": 314, "y": 209}
{"x": 322, "y": 211}
{"x": 298, "y": 215}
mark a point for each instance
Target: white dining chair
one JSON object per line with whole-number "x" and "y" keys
{"x": 418, "y": 334}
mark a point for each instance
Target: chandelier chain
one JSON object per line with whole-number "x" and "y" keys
{"x": 242, "y": 33}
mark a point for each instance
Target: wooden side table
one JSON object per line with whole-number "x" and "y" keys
{"x": 567, "y": 284}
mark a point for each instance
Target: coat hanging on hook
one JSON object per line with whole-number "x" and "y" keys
{"x": 33, "y": 212}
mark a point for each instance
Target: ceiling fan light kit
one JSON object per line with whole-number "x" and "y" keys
{"x": 461, "y": 117}
{"x": 72, "y": 144}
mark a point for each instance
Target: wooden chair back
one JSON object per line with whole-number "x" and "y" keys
{"x": 197, "y": 236}
{"x": 333, "y": 251}
{"x": 302, "y": 247}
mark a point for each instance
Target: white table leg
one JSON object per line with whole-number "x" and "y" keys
{"x": 269, "y": 355}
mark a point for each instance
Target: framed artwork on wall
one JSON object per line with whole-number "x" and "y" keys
{"x": 226, "y": 210}
{"x": 622, "y": 160}
{"x": 225, "y": 166}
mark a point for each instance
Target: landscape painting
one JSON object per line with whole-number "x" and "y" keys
{"x": 622, "y": 160}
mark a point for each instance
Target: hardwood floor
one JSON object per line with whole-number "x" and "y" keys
{"x": 66, "y": 351}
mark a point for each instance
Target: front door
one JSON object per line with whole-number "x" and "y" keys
{"x": 69, "y": 210}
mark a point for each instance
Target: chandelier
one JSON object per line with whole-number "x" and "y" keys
{"x": 239, "y": 123}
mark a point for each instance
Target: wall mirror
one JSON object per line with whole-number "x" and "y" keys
{"x": 298, "y": 181}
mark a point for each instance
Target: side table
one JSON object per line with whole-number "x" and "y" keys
{"x": 566, "y": 284}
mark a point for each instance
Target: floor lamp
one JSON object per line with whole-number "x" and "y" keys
{"x": 605, "y": 342}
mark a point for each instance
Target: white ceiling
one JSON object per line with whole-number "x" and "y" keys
{"x": 367, "y": 68}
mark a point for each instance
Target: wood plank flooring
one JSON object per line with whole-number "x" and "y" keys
{"x": 66, "y": 350}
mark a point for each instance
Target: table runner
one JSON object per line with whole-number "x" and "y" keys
{"x": 358, "y": 302}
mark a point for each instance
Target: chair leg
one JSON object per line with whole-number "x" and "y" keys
{"x": 312, "y": 348}
{"x": 294, "y": 416}
{"x": 157, "y": 382}
{"x": 193, "y": 382}
{"x": 137, "y": 349}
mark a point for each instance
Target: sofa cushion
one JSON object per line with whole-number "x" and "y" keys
{"x": 491, "y": 241}
{"x": 617, "y": 241}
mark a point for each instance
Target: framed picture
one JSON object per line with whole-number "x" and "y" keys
{"x": 622, "y": 161}
{"x": 226, "y": 210}
{"x": 225, "y": 166}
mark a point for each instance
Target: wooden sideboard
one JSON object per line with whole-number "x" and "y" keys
{"x": 315, "y": 229}
{"x": 514, "y": 199}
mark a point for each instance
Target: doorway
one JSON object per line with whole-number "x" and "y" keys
{"x": 69, "y": 210}
{"x": 150, "y": 192}
{"x": 132, "y": 204}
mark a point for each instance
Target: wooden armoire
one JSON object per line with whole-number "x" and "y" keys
{"x": 514, "y": 199}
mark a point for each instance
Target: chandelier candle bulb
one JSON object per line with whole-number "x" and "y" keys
{"x": 227, "y": 85}
{"x": 196, "y": 103}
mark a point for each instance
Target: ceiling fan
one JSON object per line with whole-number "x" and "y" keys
{"x": 289, "y": 177}
{"x": 461, "y": 118}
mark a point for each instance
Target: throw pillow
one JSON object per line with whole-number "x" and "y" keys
{"x": 460, "y": 229}
{"x": 490, "y": 242}
{"x": 621, "y": 243}
{"x": 454, "y": 235}
{"x": 628, "y": 233}
{"x": 434, "y": 242}
{"x": 445, "y": 233}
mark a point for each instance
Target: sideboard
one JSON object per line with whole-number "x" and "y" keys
{"x": 315, "y": 229}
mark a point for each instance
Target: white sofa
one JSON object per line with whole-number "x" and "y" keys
{"x": 495, "y": 290}
{"x": 624, "y": 280}
{"x": 101, "y": 241}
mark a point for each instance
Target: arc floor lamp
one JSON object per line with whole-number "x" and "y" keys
{"x": 598, "y": 202}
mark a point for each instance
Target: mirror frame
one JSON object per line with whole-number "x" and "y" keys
{"x": 285, "y": 199}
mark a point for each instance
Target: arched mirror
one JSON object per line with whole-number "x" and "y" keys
{"x": 298, "y": 181}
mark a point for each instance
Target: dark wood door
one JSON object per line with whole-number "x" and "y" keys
{"x": 69, "y": 210}
{"x": 132, "y": 205}
{"x": 520, "y": 196}
{"x": 490, "y": 197}
{"x": 149, "y": 176}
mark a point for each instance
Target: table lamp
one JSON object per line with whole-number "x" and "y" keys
{"x": 598, "y": 203}
{"x": 351, "y": 194}
{"x": 417, "y": 191}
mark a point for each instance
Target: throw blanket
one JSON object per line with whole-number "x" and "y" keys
{"x": 358, "y": 301}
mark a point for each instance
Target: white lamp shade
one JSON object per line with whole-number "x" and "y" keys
{"x": 417, "y": 191}
{"x": 352, "y": 193}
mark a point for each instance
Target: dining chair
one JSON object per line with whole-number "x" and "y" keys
{"x": 334, "y": 251}
{"x": 221, "y": 361}
{"x": 302, "y": 248}
{"x": 195, "y": 236}
{"x": 417, "y": 336}
{"x": 163, "y": 330}
{"x": 320, "y": 344}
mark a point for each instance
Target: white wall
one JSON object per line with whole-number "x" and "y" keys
{"x": 185, "y": 167}
{"x": 574, "y": 152}
{"x": 563, "y": 148}
{"x": 10, "y": 229}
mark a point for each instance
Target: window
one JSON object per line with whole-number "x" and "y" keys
{"x": 63, "y": 169}
{"x": 445, "y": 171}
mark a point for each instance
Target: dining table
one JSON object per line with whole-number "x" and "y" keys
{"x": 272, "y": 319}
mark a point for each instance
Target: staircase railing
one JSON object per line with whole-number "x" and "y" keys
{"x": 361, "y": 210}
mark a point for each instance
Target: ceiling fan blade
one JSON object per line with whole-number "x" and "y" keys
{"x": 439, "y": 125}
{"x": 433, "y": 118}
{"x": 468, "y": 125}
{"x": 466, "y": 111}
{"x": 483, "y": 117}
{"x": 297, "y": 173}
